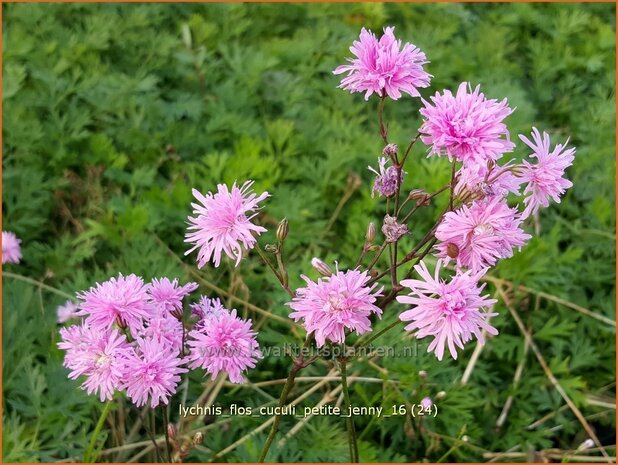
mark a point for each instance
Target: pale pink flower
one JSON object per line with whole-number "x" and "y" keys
{"x": 122, "y": 300}
{"x": 11, "y": 249}
{"x": 98, "y": 355}
{"x": 484, "y": 182}
{"x": 67, "y": 311}
{"x": 480, "y": 234}
{"x": 450, "y": 312}
{"x": 223, "y": 223}
{"x": 336, "y": 303}
{"x": 545, "y": 178}
{"x": 166, "y": 296}
{"x": 466, "y": 126}
{"x": 224, "y": 342}
{"x": 152, "y": 372}
{"x": 426, "y": 403}
{"x": 383, "y": 66}
{"x": 385, "y": 183}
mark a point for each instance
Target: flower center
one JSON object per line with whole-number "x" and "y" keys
{"x": 483, "y": 228}
{"x": 335, "y": 303}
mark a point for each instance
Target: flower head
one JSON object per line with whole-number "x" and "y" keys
{"x": 480, "y": 234}
{"x": 165, "y": 328}
{"x": 451, "y": 311}
{"x": 122, "y": 300}
{"x": 11, "y": 250}
{"x": 223, "y": 223}
{"x": 98, "y": 355}
{"x": 466, "y": 126}
{"x": 152, "y": 372}
{"x": 480, "y": 181}
{"x": 166, "y": 296}
{"x": 207, "y": 308}
{"x": 224, "y": 342}
{"x": 545, "y": 178}
{"x": 426, "y": 403}
{"x": 383, "y": 66}
{"x": 392, "y": 230}
{"x": 334, "y": 304}
{"x": 385, "y": 183}
{"x": 67, "y": 311}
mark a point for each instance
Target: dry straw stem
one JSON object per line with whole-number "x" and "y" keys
{"x": 501, "y": 282}
{"x": 551, "y": 454}
{"x": 518, "y": 372}
{"x": 549, "y": 374}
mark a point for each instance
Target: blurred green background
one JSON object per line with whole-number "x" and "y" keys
{"x": 113, "y": 112}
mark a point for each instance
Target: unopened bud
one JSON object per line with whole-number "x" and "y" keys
{"x": 371, "y": 233}
{"x": 198, "y": 438}
{"x": 390, "y": 149}
{"x": 421, "y": 197}
{"x": 282, "y": 230}
{"x": 440, "y": 395}
{"x": 171, "y": 431}
{"x": 452, "y": 250}
{"x": 422, "y": 374}
{"x": 587, "y": 444}
{"x": 373, "y": 273}
{"x": 271, "y": 248}
{"x": 321, "y": 267}
{"x": 465, "y": 438}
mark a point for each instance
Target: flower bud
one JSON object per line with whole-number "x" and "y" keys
{"x": 390, "y": 149}
{"x": 198, "y": 438}
{"x": 452, "y": 250}
{"x": 426, "y": 403}
{"x": 282, "y": 230}
{"x": 587, "y": 444}
{"x": 420, "y": 197}
{"x": 371, "y": 233}
{"x": 422, "y": 374}
{"x": 465, "y": 438}
{"x": 440, "y": 395}
{"x": 321, "y": 267}
{"x": 171, "y": 430}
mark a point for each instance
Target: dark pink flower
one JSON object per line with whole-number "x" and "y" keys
{"x": 450, "y": 312}
{"x": 336, "y": 303}
{"x": 466, "y": 126}
{"x": 384, "y": 66}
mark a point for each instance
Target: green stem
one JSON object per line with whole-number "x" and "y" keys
{"x": 165, "y": 411}
{"x": 267, "y": 261}
{"x": 350, "y": 421}
{"x": 88, "y": 458}
{"x": 34, "y": 282}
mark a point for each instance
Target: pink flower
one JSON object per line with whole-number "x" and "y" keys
{"x": 479, "y": 235}
{"x": 98, "y": 355}
{"x": 426, "y": 402}
{"x": 450, "y": 312}
{"x": 466, "y": 126}
{"x": 385, "y": 183}
{"x": 384, "y": 66}
{"x": 166, "y": 296}
{"x": 151, "y": 372}
{"x": 482, "y": 182}
{"x": 223, "y": 223}
{"x": 545, "y": 179}
{"x": 11, "y": 250}
{"x": 67, "y": 311}
{"x": 207, "y": 308}
{"x": 165, "y": 329}
{"x": 224, "y": 342}
{"x": 334, "y": 304}
{"x": 122, "y": 300}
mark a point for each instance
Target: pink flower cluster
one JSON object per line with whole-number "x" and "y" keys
{"x": 481, "y": 228}
{"x": 11, "y": 249}
{"x": 131, "y": 339}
